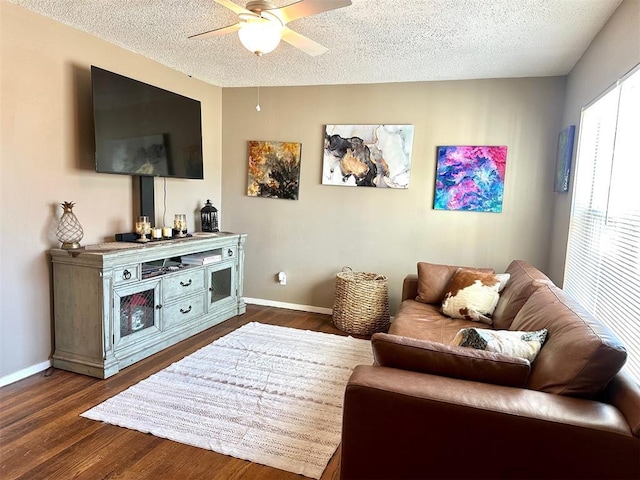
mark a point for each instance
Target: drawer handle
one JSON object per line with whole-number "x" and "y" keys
{"x": 185, "y": 284}
{"x": 186, "y": 311}
{"x": 126, "y": 274}
{"x": 230, "y": 252}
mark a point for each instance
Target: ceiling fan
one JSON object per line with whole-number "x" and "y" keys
{"x": 261, "y": 25}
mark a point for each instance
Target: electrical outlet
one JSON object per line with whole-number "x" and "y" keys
{"x": 282, "y": 278}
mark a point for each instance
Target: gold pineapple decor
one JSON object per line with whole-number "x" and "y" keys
{"x": 69, "y": 231}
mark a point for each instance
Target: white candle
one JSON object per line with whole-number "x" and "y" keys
{"x": 156, "y": 233}
{"x": 166, "y": 232}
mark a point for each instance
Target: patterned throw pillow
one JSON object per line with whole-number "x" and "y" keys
{"x": 516, "y": 344}
{"x": 473, "y": 295}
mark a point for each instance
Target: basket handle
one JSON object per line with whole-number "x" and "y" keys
{"x": 347, "y": 267}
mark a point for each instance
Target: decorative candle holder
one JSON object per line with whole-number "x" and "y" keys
{"x": 143, "y": 228}
{"x": 180, "y": 224}
{"x": 209, "y": 218}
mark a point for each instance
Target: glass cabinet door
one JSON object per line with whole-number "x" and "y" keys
{"x": 222, "y": 284}
{"x": 136, "y": 311}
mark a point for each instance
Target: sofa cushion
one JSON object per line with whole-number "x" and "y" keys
{"x": 449, "y": 361}
{"x": 525, "y": 279}
{"x": 426, "y": 322}
{"x": 508, "y": 342}
{"x": 580, "y": 355}
{"x": 433, "y": 280}
{"x": 473, "y": 295}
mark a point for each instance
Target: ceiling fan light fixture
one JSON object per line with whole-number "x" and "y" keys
{"x": 260, "y": 34}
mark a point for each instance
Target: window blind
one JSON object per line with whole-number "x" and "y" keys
{"x": 602, "y": 267}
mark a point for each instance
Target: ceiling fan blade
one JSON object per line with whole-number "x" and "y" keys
{"x": 305, "y": 44}
{"x": 306, "y": 8}
{"x": 217, "y": 32}
{"x": 233, "y": 6}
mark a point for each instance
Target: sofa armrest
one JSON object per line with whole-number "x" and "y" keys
{"x": 624, "y": 393}
{"x": 410, "y": 287}
{"x": 401, "y": 424}
{"x": 448, "y": 360}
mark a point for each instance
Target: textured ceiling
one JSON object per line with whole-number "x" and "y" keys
{"x": 371, "y": 41}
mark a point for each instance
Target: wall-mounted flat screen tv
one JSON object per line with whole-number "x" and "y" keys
{"x": 145, "y": 130}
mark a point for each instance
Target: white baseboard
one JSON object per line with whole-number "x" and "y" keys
{"x": 288, "y": 306}
{"x": 24, "y": 373}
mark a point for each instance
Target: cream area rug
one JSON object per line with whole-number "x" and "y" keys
{"x": 267, "y": 394}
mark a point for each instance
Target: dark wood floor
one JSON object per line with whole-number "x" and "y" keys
{"x": 42, "y": 435}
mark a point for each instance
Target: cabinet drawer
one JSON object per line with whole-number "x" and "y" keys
{"x": 129, "y": 273}
{"x": 183, "y": 311}
{"x": 182, "y": 284}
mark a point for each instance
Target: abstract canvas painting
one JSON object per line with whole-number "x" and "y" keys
{"x": 470, "y": 178}
{"x": 563, "y": 159}
{"x": 367, "y": 155}
{"x": 274, "y": 169}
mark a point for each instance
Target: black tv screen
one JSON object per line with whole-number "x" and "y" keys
{"x": 144, "y": 130}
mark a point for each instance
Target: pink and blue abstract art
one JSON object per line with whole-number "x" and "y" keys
{"x": 470, "y": 178}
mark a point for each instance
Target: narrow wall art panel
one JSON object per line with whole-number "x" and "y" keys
{"x": 274, "y": 169}
{"x": 367, "y": 155}
{"x": 470, "y": 178}
{"x": 563, "y": 159}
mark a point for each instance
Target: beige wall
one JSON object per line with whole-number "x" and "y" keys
{"x": 381, "y": 230}
{"x": 612, "y": 53}
{"x": 47, "y": 157}
{"x": 46, "y": 152}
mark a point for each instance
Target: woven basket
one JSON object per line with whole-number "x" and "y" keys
{"x": 361, "y": 305}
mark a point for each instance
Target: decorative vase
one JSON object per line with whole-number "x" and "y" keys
{"x": 69, "y": 231}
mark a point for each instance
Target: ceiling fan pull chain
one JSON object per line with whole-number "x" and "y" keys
{"x": 258, "y": 104}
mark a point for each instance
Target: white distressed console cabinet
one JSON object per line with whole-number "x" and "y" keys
{"x": 117, "y": 303}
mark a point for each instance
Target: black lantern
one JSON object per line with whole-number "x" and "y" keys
{"x": 209, "y": 217}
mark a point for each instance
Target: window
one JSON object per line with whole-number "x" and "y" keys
{"x": 603, "y": 254}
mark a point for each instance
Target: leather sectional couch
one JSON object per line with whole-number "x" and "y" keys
{"x": 427, "y": 409}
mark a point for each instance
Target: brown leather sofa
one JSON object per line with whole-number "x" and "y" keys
{"x": 427, "y": 409}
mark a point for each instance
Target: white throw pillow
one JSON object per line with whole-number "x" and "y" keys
{"x": 516, "y": 344}
{"x": 473, "y": 295}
